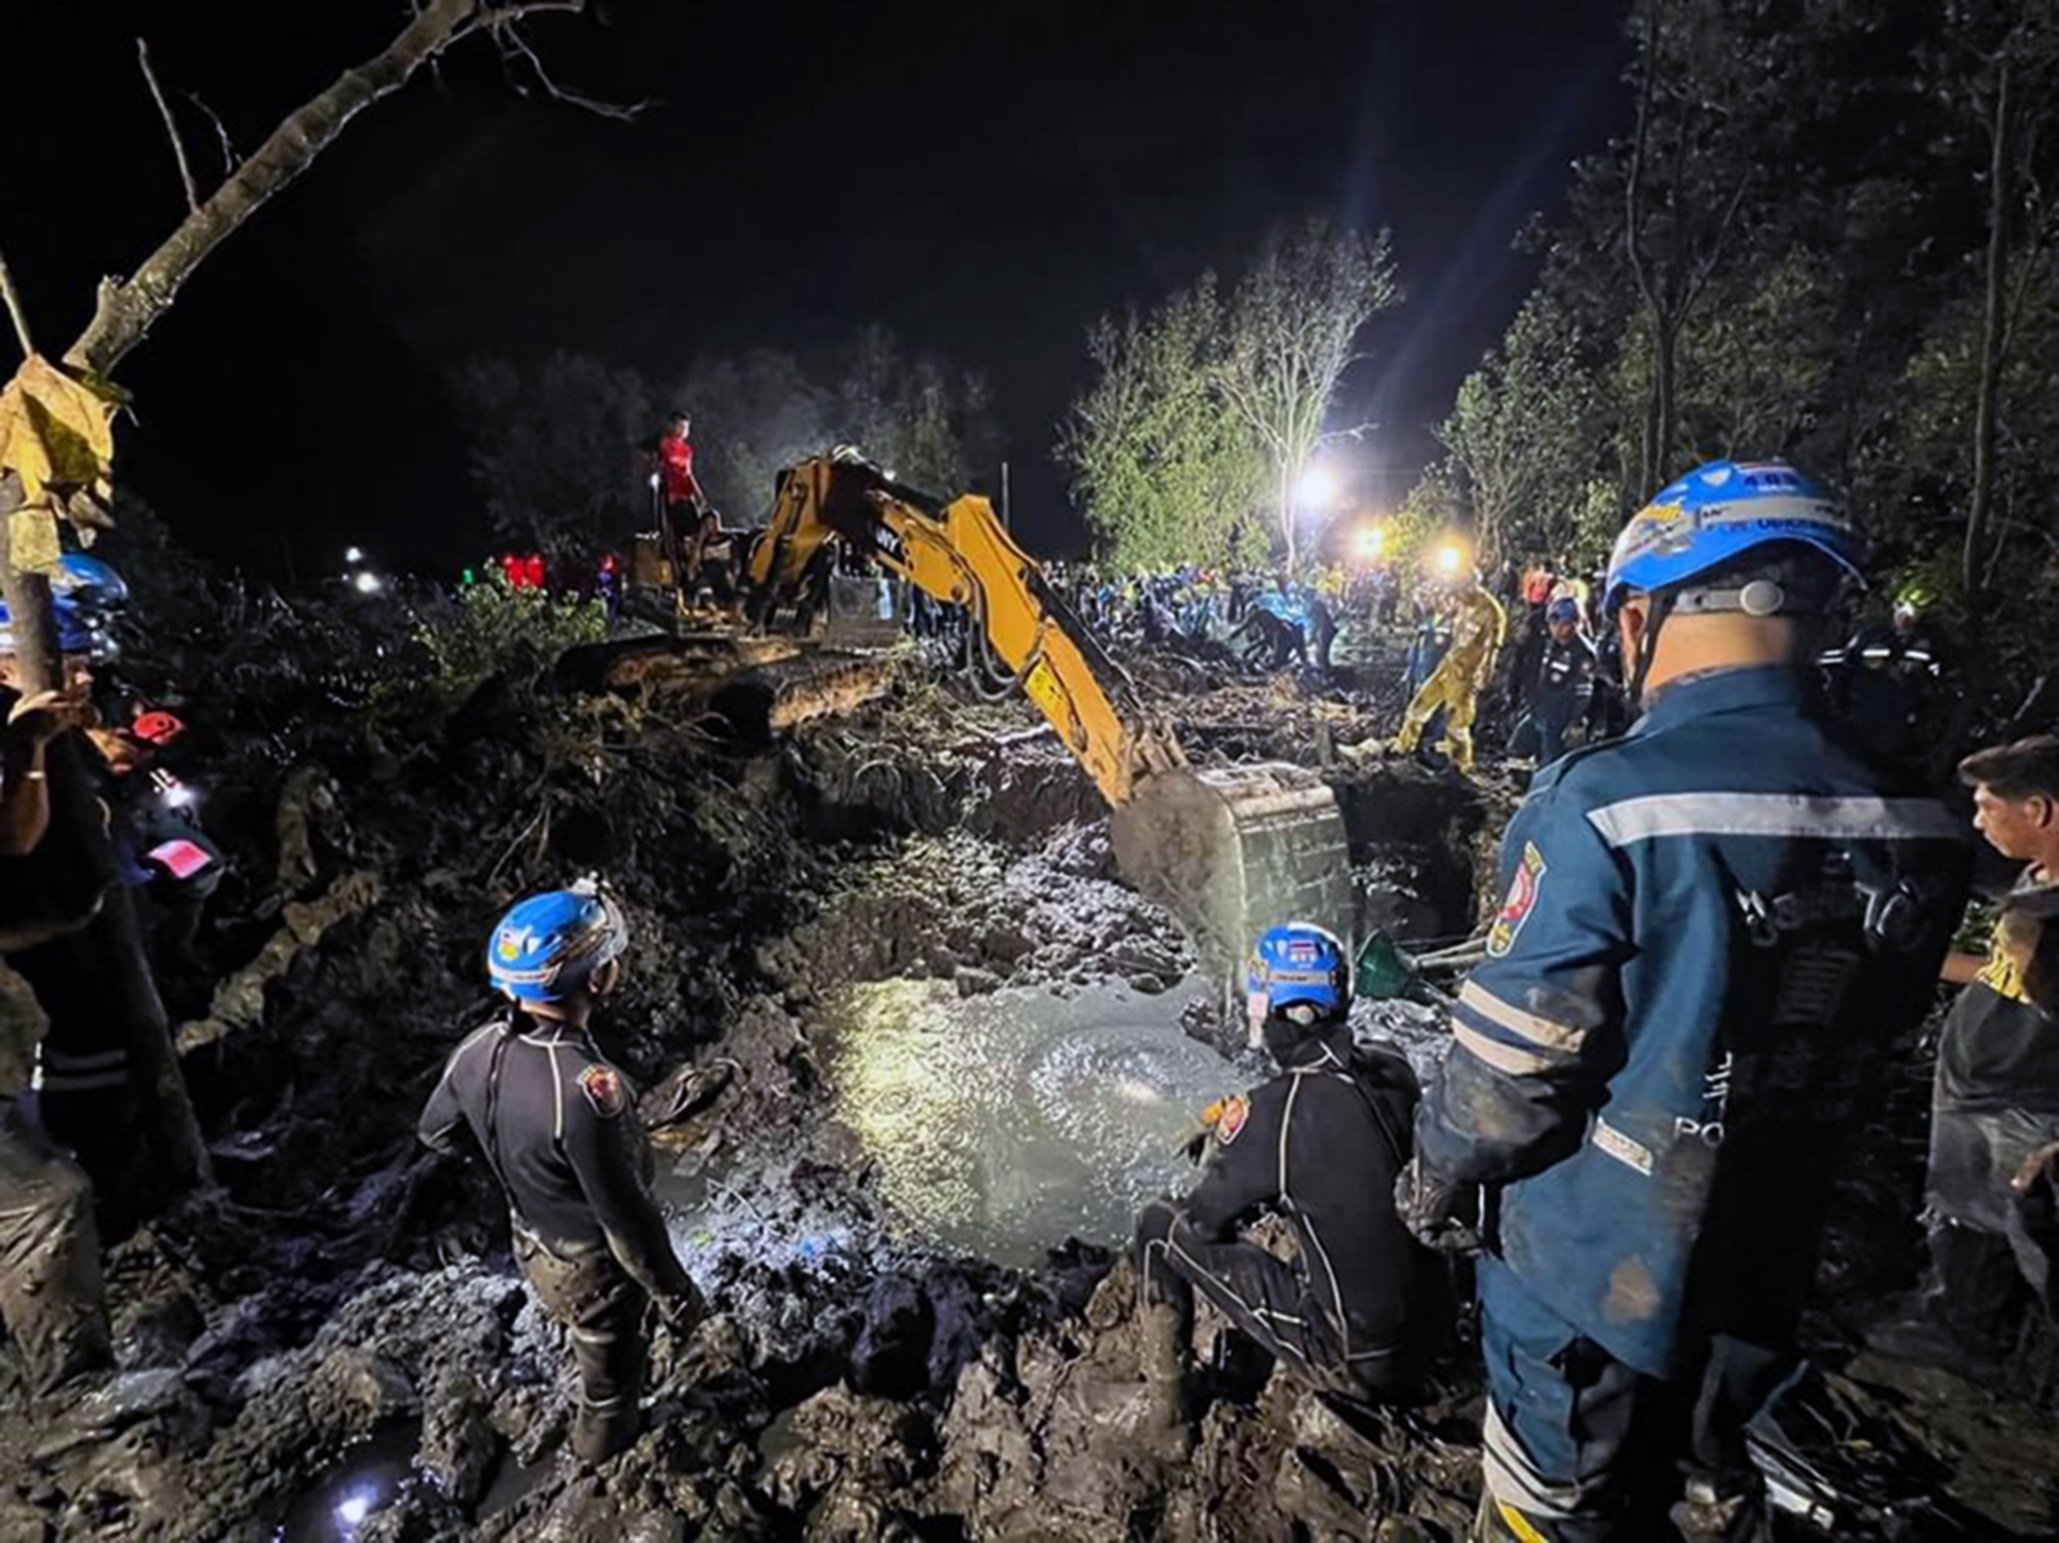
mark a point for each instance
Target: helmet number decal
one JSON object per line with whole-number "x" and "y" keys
{"x": 1522, "y": 900}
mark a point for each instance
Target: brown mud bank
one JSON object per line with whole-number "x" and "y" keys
{"x": 334, "y": 1344}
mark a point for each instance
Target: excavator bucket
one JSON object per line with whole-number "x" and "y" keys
{"x": 1234, "y": 850}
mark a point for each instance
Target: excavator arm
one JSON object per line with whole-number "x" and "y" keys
{"x": 1230, "y": 850}
{"x": 960, "y": 554}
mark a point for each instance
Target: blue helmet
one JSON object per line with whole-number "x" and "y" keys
{"x": 1565, "y": 608}
{"x": 549, "y": 946}
{"x": 1300, "y": 965}
{"x": 77, "y": 633}
{"x": 89, "y": 583}
{"x": 1718, "y": 512}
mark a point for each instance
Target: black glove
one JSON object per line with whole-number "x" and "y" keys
{"x": 1441, "y": 1214}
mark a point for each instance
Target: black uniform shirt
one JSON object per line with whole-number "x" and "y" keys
{"x": 558, "y": 1125}
{"x": 1323, "y": 1143}
{"x": 2000, "y": 1047}
{"x": 1565, "y": 675}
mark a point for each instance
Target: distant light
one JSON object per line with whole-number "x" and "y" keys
{"x": 353, "y": 1508}
{"x": 1316, "y": 490}
{"x": 1368, "y": 542}
{"x": 368, "y": 583}
{"x": 180, "y": 796}
{"x": 354, "y": 554}
{"x": 1450, "y": 559}
{"x": 469, "y": 576}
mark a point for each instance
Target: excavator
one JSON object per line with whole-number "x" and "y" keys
{"x": 1229, "y": 850}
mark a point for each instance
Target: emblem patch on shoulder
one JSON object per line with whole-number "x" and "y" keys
{"x": 1522, "y": 900}
{"x": 602, "y": 1086}
{"x": 1234, "y": 1113}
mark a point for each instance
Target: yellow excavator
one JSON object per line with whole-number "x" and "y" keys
{"x": 1229, "y": 850}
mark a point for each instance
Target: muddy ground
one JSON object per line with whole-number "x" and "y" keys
{"x": 334, "y": 1344}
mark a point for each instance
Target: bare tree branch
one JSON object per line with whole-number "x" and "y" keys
{"x": 515, "y": 46}
{"x": 171, "y": 126}
{"x": 15, "y": 312}
{"x": 127, "y": 308}
{"x": 221, "y": 132}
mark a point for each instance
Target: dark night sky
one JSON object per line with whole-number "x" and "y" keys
{"x": 985, "y": 181}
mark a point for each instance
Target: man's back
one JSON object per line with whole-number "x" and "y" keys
{"x": 1715, "y": 929}
{"x": 1323, "y": 1144}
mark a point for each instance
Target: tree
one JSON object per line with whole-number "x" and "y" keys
{"x": 1523, "y": 434}
{"x": 2001, "y": 68}
{"x": 1292, "y": 331}
{"x": 170, "y": 1156}
{"x": 1164, "y": 474}
{"x": 916, "y": 415}
{"x": 555, "y": 449}
{"x": 752, "y": 418}
{"x": 1753, "y": 369}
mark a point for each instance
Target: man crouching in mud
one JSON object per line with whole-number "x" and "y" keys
{"x": 558, "y": 1125}
{"x": 1320, "y": 1143}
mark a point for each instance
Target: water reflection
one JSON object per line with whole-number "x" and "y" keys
{"x": 1002, "y": 1124}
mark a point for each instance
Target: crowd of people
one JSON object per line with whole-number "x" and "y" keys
{"x": 1717, "y": 925}
{"x": 1717, "y": 931}
{"x": 68, "y": 1100}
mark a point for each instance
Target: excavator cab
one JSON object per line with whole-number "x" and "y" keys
{"x": 1230, "y": 851}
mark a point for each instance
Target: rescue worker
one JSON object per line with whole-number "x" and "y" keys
{"x": 558, "y": 1126}
{"x": 1995, "y": 1100}
{"x": 1479, "y": 625}
{"x": 1560, "y": 686}
{"x": 1275, "y": 642}
{"x": 89, "y": 1095}
{"x": 1887, "y": 679}
{"x": 1319, "y": 1144}
{"x": 52, "y": 1297}
{"x": 677, "y": 494}
{"x": 1322, "y": 629}
{"x": 1714, "y": 930}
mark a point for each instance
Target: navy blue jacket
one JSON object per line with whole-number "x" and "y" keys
{"x": 1714, "y": 929}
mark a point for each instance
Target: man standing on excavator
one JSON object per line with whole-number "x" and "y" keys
{"x": 558, "y": 1125}
{"x": 677, "y": 493}
{"x": 1316, "y": 1144}
{"x": 1714, "y": 931}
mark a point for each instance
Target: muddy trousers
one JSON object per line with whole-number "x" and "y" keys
{"x": 1578, "y": 1447}
{"x": 601, "y": 1309}
{"x": 51, "y": 1296}
{"x": 1457, "y": 692}
{"x": 1986, "y": 1245}
{"x": 1264, "y": 1297}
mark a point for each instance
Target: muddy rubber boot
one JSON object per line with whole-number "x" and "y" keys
{"x": 600, "y": 1431}
{"x": 1162, "y": 1350}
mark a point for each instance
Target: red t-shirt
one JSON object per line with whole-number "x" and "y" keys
{"x": 675, "y": 464}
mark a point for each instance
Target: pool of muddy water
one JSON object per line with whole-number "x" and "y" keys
{"x": 1002, "y": 1124}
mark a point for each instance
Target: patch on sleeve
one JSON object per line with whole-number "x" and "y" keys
{"x": 1235, "y": 1111}
{"x": 602, "y": 1086}
{"x": 1522, "y": 900}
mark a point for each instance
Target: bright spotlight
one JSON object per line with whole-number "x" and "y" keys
{"x": 1369, "y": 542}
{"x": 1450, "y": 558}
{"x": 353, "y": 554}
{"x": 352, "y": 1509}
{"x": 368, "y": 583}
{"x": 1316, "y": 490}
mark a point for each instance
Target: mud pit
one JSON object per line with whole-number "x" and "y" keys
{"x": 899, "y": 898}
